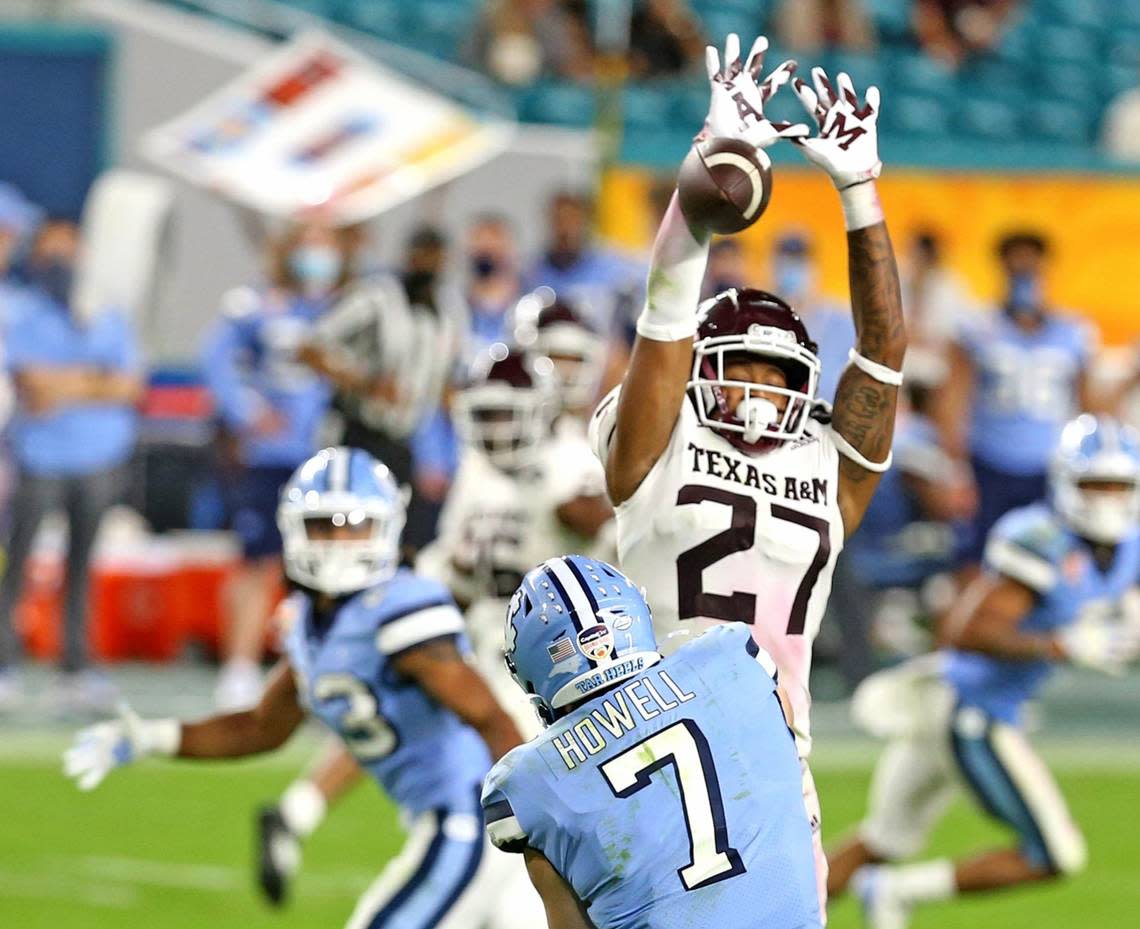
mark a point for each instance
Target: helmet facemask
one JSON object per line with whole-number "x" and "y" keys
{"x": 757, "y": 423}
{"x": 1101, "y": 507}
{"x": 506, "y": 423}
{"x": 338, "y": 542}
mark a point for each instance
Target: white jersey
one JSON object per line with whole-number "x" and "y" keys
{"x": 496, "y": 526}
{"x": 718, "y": 535}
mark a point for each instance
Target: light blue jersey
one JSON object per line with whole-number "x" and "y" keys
{"x": 1033, "y": 547}
{"x": 671, "y": 801}
{"x": 1026, "y": 388}
{"x": 249, "y": 360}
{"x": 423, "y": 756}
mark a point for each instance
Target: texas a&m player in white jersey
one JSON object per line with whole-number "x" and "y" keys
{"x": 524, "y": 492}
{"x": 733, "y": 488}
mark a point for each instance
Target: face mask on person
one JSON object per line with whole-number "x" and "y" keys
{"x": 793, "y": 278}
{"x": 1025, "y": 296}
{"x": 485, "y": 265}
{"x": 316, "y": 267}
{"x": 55, "y": 278}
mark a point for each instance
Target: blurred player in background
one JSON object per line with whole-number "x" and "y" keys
{"x": 522, "y": 494}
{"x": 271, "y": 407}
{"x": 1016, "y": 376}
{"x": 795, "y": 278}
{"x": 732, "y": 497}
{"x": 77, "y": 379}
{"x": 904, "y": 552}
{"x": 650, "y": 800}
{"x": 1059, "y": 586}
{"x": 377, "y": 654}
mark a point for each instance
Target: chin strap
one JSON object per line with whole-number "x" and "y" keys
{"x": 847, "y": 450}
{"x": 879, "y": 372}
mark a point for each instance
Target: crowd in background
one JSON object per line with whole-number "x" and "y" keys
{"x": 520, "y": 41}
{"x": 324, "y": 348}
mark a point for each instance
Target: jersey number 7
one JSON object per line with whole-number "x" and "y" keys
{"x": 740, "y": 607}
{"x": 685, "y": 747}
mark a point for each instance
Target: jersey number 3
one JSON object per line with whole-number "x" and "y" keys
{"x": 364, "y": 730}
{"x": 740, "y": 607}
{"x": 683, "y": 746}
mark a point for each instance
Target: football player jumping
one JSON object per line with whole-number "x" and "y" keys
{"x": 733, "y": 492}
{"x": 1059, "y": 585}
{"x": 378, "y": 655}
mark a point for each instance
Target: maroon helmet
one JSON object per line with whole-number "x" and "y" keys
{"x": 508, "y": 404}
{"x": 750, "y": 322}
{"x": 554, "y": 327}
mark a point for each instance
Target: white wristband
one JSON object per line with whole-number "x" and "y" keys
{"x": 303, "y": 806}
{"x": 674, "y": 287}
{"x": 163, "y": 736}
{"x": 847, "y": 450}
{"x": 861, "y": 207}
{"x": 879, "y": 372}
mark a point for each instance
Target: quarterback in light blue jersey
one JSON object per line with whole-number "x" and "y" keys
{"x": 1060, "y": 585}
{"x": 665, "y": 793}
{"x": 378, "y": 655}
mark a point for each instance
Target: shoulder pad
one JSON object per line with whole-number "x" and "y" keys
{"x": 410, "y": 610}
{"x": 1027, "y": 545}
{"x": 603, "y": 423}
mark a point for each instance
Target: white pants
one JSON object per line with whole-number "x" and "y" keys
{"x": 815, "y": 816}
{"x": 449, "y": 876}
{"x": 919, "y": 773}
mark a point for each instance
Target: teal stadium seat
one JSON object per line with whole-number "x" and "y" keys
{"x": 1057, "y": 44}
{"x": 987, "y": 118}
{"x": 1059, "y": 121}
{"x": 560, "y": 104}
{"x": 1087, "y": 13}
{"x": 690, "y": 104}
{"x": 648, "y": 106}
{"x": 915, "y": 72}
{"x": 909, "y": 115}
{"x": 864, "y": 69}
{"x": 1070, "y": 82}
{"x": 382, "y": 20}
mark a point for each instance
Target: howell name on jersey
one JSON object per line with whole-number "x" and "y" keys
{"x": 618, "y": 713}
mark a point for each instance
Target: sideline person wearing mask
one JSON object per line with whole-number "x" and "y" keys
{"x": 77, "y": 381}
{"x": 796, "y": 278}
{"x": 1016, "y": 377}
{"x": 271, "y": 408}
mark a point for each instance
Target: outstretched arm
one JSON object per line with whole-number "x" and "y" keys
{"x": 864, "y": 411}
{"x": 659, "y": 368}
{"x": 100, "y": 749}
{"x": 563, "y": 908}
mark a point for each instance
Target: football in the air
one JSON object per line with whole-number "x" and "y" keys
{"x": 724, "y": 185}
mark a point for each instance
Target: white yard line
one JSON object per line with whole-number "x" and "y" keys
{"x": 51, "y": 885}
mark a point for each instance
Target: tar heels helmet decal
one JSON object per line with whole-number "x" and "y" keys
{"x": 575, "y": 627}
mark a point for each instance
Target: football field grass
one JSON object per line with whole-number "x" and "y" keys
{"x": 169, "y": 846}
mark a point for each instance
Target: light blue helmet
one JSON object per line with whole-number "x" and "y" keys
{"x": 1100, "y": 449}
{"x": 341, "y": 487}
{"x": 575, "y": 626}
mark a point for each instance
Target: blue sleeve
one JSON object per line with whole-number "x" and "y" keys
{"x": 503, "y": 827}
{"x": 236, "y": 402}
{"x": 126, "y": 354}
{"x": 20, "y": 340}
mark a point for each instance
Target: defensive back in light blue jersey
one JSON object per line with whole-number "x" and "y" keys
{"x": 672, "y": 801}
{"x": 1032, "y": 546}
{"x": 421, "y": 754}
{"x": 1026, "y": 388}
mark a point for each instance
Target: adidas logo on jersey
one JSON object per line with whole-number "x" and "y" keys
{"x": 727, "y": 468}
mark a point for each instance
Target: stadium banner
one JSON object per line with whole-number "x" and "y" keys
{"x": 317, "y": 128}
{"x": 1092, "y": 221}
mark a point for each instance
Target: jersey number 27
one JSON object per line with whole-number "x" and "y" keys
{"x": 740, "y": 607}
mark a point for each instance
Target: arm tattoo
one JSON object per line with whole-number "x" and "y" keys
{"x": 864, "y": 410}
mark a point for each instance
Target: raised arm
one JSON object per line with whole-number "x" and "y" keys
{"x": 864, "y": 410}
{"x": 659, "y": 367}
